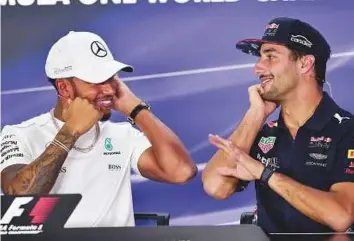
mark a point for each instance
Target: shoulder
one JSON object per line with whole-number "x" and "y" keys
{"x": 343, "y": 120}
{"x": 345, "y": 117}
{"x": 28, "y": 127}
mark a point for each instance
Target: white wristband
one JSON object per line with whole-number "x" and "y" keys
{"x": 61, "y": 145}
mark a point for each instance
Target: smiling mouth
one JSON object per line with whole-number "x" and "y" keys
{"x": 106, "y": 103}
{"x": 265, "y": 80}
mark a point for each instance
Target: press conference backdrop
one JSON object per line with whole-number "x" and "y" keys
{"x": 186, "y": 67}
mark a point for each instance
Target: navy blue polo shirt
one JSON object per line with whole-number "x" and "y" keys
{"x": 321, "y": 155}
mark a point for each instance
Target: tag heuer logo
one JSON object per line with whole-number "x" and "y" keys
{"x": 266, "y": 143}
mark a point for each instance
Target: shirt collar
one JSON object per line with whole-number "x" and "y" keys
{"x": 322, "y": 115}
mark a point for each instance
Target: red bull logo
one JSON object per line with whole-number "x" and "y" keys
{"x": 272, "y": 26}
{"x": 321, "y": 138}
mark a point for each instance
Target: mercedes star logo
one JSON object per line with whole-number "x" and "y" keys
{"x": 98, "y": 49}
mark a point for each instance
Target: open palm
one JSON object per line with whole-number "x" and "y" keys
{"x": 241, "y": 171}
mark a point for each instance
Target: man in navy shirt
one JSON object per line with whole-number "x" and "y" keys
{"x": 303, "y": 163}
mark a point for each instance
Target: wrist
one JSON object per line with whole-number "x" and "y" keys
{"x": 136, "y": 112}
{"x": 131, "y": 106}
{"x": 70, "y": 130}
{"x": 265, "y": 176}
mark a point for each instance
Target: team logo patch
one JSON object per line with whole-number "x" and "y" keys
{"x": 351, "y": 154}
{"x": 266, "y": 143}
{"x": 350, "y": 169}
{"x": 301, "y": 40}
{"x": 271, "y": 29}
{"x": 318, "y": 156}
{"x": 271, "y": 162}
{"x": 351, "y": 165}
{"x": 321, "y": 138}
{"x": 273, "y": 124}
{"x": 108, "y": 144}
{"x": 320, "y": 142}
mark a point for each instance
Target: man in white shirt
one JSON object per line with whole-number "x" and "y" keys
{"x": 75, "y": 148}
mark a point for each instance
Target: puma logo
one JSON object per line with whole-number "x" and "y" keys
{"x": 339, "y": 118}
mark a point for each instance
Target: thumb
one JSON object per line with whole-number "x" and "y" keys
{"x": 260, "y": 90}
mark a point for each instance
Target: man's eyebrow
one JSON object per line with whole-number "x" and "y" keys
{"x": 269, "y": 50}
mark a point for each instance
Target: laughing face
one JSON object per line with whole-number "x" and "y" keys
{"x": 277, "y": 71}
{"x": 100, "y": 95}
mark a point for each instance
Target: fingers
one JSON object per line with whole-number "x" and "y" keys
{"x": 221, "y": 143}
{"x": 224, "y": 144}
{"x": 257, "y": 89}
{"x": 227, "y": 171}
{"x": 260, "y": 90}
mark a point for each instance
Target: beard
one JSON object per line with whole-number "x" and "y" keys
{"x": 106, "y": 115}
{"x": 271, "y": 95}
{"x": 106, "y": 112}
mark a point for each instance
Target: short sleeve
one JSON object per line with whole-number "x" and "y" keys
{"x": 343, "y": 168}
{"x": 13, "y": 148}
{"x": 140, "y": 143}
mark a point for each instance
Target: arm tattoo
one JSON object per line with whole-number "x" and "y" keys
{"x": 40, "y": 175}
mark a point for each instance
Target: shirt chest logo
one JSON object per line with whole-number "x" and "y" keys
{"x": 109, "y": 147}
{"x": 271, "y": 162}
{"x": 266, "y": 143}
{"x": 318, "y": 151}
{"x": 321, "y": 142}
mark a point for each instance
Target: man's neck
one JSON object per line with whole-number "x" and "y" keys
{"x": 300, "y": 108}
{"x": 58, "y": 112}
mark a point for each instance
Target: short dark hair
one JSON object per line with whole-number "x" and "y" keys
{"x": 52, "y": 81}
{"x": 320, "y": 66}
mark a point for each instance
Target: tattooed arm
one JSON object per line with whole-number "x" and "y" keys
{"x": 39, "y": 176}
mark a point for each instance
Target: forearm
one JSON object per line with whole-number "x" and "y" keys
{"x": 245, "y": 134}
{"x": 40, "y": 175}
{"x": 243, "y": 137}
{"x": 323, "y": 207}
{"x": 170, "y": 152}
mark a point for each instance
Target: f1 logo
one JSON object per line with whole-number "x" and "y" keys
{"x": 15, "y": 209}
{"x": 40, "y": 211}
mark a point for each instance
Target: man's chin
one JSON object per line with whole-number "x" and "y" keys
{"x": 106, "y": 115}
{"x": 270, "y": 96}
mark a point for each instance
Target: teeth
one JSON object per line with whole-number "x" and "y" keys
{"x": 266, "y": 80}
{"x": 104, "y": 101}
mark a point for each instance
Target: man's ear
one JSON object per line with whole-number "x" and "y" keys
{"x": 307, "y": 63}
{"x": 65, "y": 88}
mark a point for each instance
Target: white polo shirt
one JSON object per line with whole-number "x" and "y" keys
{"x": 101, "y": 176}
